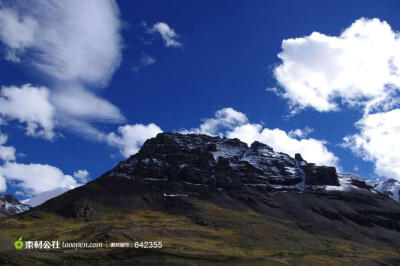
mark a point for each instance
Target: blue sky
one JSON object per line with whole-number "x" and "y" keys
{"x": 213, "y": 55}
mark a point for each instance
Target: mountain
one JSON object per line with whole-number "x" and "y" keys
{"x": 389, "y": 187}
{"x": 11, "y": 206}
{"x": 45, "y": 196}
{"x": 214, "y": 201}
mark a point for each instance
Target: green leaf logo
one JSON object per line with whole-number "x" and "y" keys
{"x": 19, "y": 243}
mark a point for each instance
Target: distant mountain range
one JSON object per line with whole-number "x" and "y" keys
{"x": 214, "y": 200}
{"x": 11, "y": 206}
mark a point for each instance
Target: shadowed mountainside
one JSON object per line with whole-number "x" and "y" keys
{"x": 214, "y": 201}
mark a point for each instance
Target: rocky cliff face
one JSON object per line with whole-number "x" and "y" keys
{"x": 10, "y": 206}
{"x": 201, "y": 162}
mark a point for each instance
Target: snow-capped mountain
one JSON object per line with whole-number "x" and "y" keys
{"x": 10, "y": 206}
{"x": 389, "y": 187}
{"x": 45, "y": 196}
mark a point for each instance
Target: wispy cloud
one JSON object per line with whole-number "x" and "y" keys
{"x": 168, "y": 34}
{"x": 75, "y": 44}
{"x": 300, "y": 133}
{"x": 145, "y": 61}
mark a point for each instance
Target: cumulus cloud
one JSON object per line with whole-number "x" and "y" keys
{"x": 130, "y": 137}
{"x": 145, "y": 61}
{"x": 233, "y": 124}
{"x": 82, "y": 176}
{"x": 167, "y": 34}
{"x": 29, "y": 105}
{"x": 35, "y": 178}
{"x": 230, "y": 123}
{"x": 75, "y": 44}
{"x": 226, "y": 118}
{"x": 312, "y": 150}
{"x": 360, "y": 67}
{"x": 378, "y": 142}
{"x": 7, "y": 153}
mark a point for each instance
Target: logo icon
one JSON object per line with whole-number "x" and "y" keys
{"x": 19, "y": 243}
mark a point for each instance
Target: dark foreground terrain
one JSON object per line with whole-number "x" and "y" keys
{"x": 213, "y": 201}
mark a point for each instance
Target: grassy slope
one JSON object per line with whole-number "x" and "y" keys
{"x": 213, "y": 236}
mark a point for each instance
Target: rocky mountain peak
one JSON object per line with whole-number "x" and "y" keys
{"x": 298, "y": 157}
{"x": 197, "y": 162}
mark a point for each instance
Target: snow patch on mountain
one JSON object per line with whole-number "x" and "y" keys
{"x": 11, "y": 206}
{"x": 45, "y": 196}
{"x": 389, "y": 187}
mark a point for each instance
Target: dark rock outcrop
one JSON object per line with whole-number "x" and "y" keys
{"x": 320, "y": 175}
{"x": 219, "y": 163}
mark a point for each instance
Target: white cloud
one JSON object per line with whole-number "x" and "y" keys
{"x": 378, "y": 141}
{"x": 78, "y": 103}
{"x": 29, "y": 105}
{"x": 75, "y": 44}
{"x": 300, "y": 133}
{"x": 145, "y": 60}
{"x": 226, "y": 118}
{"x": 82, "y": 176}
{"x": 361, "y": 67}
{"x": 64, "y": 39}
{"x": 35, "y": 178}
{"x": 312, "y": 150}
{"x": 233, "y": 124}
{"x": 3, "y": 184}
{"x": 7, "y": 153}
{"x": 167, "y": 34}
{"x": 17, "y": 32}
{"x": 131, "y": 137}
